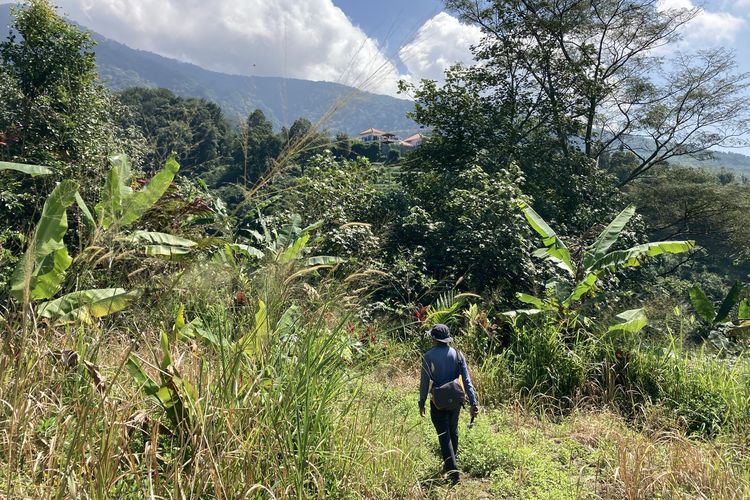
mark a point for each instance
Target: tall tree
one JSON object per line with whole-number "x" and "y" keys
{"x": 53, "y": 110}
{"x": 258, "y": 148}
{"x": 195, "y": 130}
{"x": 589, "y": 73}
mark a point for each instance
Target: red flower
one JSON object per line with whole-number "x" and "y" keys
{"x": 240, "y": 299}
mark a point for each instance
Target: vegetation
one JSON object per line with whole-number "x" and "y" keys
{"x": 196, "y": 307}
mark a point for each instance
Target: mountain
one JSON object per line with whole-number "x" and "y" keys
{"x": 721, "y": 159}
{"x": 282, "y": 99}
{"x": 737, "y": 162}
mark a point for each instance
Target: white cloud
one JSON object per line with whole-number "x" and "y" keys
{"x": 709, "y": 27}
{"x": 441, "y": 42}
{"x": 310, "y": 39}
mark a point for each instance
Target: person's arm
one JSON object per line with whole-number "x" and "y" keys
{"x": 424, "y": 384}
{"x": 467, "y": 382}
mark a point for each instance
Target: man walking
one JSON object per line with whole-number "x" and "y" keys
{"x": 440, "y": 365}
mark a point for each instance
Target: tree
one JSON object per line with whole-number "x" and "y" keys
{"x": 689, "y": 203}
{"x": 258, "y": 147}
{"x": 194, "y": 130}
{"x": 304, "y": 141}
{"x": 567, "y": 187}
{"x": 53, "y": 111}
{"x": 467, "y": 226}
{"x": 586, "y": 73}
{"x": 342, "y": 146}
{"x": 584, "y": 269}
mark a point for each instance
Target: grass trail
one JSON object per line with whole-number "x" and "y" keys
{"x": 511, "y": 453}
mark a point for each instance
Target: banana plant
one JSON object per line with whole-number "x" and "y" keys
{"x": 176, "y": 396}
{"x": 119, "y": 205}
{"x": 287, "y": 246}
{"x": 590, "y": 265}
{"x": 40, "y": 274}
{"x": 718, "y": 321}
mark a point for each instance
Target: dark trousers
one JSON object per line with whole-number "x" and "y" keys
{"x": 446, "y": 425}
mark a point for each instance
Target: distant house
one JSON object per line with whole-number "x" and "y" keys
{"x": 414, "y": 141}
{"x": 372, "y": 135}
{"x": 388, "y": 140}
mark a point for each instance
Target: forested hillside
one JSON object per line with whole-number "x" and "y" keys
{"x": 194, "y": 305}
{"x": 281, "y": 99}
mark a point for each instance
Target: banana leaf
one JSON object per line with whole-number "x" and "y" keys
{"x": 86, "y": 304}
{"x": 608, "y": 237}
{"x": 46, "y": 260}
{"x": 32, "y": 170}
{"x": 702, "y": 304}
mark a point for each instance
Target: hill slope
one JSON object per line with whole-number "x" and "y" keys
{"x": 281, "y": 99}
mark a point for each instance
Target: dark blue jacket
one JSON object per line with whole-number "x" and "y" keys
{"x": 441, "y": 364}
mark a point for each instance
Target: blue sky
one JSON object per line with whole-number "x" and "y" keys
{"x": 391, "y": 22}
{"x": 370, "y": 44}
{"x": 395, "y": 22}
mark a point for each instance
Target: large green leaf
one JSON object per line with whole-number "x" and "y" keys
{"x": 247, "y": 250}
{"x": 46, "y": 260}
{"x": 530, "y": 299}
{"x": 86, "y": 304}
{"x": 85, "y": 211}
{"x": 155, "y": 238}
{"x": 743, "y": 312}
{"x": 115, "y": 193}
{"x": 702, "y": 304}
{"x": 32, "y": 170}
{"x": 167, "y": 252}
{"x": 253, "y": 341}
{"x": 633, "y": 257}
{"x": 150, "y": 387}
{"x": 555, "y": 248}
{"x": 633, "y": 321}
{"x": 163, "y": 245}
{"x": 729, "y": 302}
{"x": 295, "y": 249}
{"x": 582, "y": 288}
{"x": 608, "y": 237}
{"x": 141, "y": 201}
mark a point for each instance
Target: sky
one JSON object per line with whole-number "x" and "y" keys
{"x": 370, "y": 44}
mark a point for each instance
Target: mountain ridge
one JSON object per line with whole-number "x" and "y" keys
{"x": 282, "y": 99}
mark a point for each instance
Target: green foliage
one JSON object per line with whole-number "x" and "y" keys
{"x": 718, "y": 328}
{"x": 447, "y": 307}
{"x": 516, "y": 469}
{"x": 707, "y": 393}
{"x": 176, "y": 396}
{"x": 53, "y": 112}
{"x": 548, "y": 72}
{"x": 593, "y": 263}
{"x": 85, "y": 305}
{"x": 692, "y": 203}
{"x": 164, "y": 245}
{"x": 119, "y": 205}
{"x": 42, "y": 270}
{"x": 40, "y": 274}
{"x": 350, "y": 198}
{"x": 633, "y": 321}
{"x": 195, "y": 130}
{"x": 468, "y": 225}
